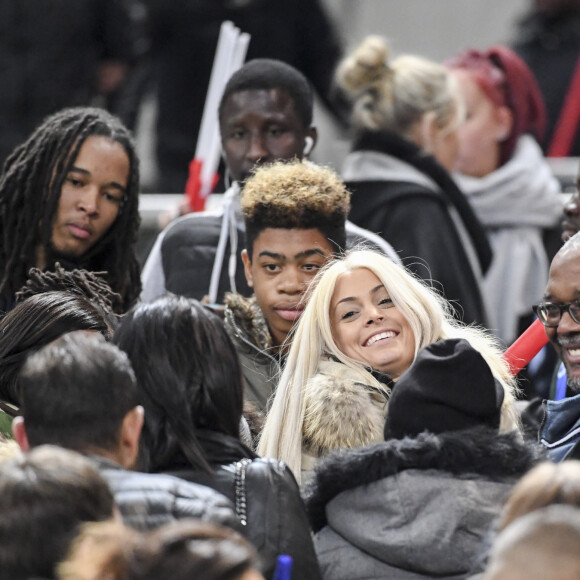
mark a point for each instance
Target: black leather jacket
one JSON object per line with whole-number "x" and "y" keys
{"x": 268, "y": 501}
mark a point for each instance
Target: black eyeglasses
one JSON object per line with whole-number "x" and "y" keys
{"x": 550, "y": 314}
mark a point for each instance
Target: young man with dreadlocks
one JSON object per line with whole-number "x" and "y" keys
{"x": 69, "y": 194}
{"x": 295, "y": 215}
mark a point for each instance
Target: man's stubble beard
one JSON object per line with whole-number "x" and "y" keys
{"x": 573, "y": 384}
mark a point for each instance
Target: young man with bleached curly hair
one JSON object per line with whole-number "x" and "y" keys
{"x": 294, "y": 216}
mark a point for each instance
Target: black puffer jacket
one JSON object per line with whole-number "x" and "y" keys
{"x": 147, "y": 500}
{"x": 266, "y": 498}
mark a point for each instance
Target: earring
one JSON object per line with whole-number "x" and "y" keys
{"x": 308, "y": 145}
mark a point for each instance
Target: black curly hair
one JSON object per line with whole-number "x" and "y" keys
{"x": 91, "y": 285}
{"x": 266, "y": 74}
{"x": 30, "y": 189}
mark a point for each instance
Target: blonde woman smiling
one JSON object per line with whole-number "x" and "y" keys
{"x": 365, "y": 321}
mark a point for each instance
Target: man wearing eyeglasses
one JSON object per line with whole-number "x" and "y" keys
{"x": 559, "y": 312}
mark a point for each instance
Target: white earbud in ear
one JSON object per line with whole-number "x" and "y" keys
{"x": 308, "y": 145}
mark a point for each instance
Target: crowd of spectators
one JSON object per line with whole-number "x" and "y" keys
{"x": 280, "y": 392}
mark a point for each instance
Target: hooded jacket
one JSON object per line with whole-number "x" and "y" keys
{"x": 249, "y": 331}
{"x": 413, "y": 508}
{"x": 200, "y": 254}
{"x": 403, "y": 194}
{"x": 342, "y": 412}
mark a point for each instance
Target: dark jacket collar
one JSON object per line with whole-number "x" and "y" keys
{"x": 561, "y": 428}
{"x": 403, "y": 149}
{"x": 480, "y": 451}
{"x": 218, "y": 449}
{"x": 562, "y": 417}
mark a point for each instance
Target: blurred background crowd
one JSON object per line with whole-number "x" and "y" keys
{"x": 149, "y": 61}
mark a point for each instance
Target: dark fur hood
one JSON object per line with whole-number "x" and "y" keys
{"x": 246, "y": 323}
{"x": 478, "y": 451}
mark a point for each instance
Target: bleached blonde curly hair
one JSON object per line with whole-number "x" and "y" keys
{"x": 295, "y": 195}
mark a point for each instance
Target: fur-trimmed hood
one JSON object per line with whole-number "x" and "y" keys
{"x": 342, "y": 411}
{"x": 480, "y": 452}
{"x": 259, "y": 359}
{"x": 245, "y": 322}
{"x": 412, "y": 508}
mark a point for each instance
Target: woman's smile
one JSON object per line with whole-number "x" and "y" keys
{"x": 368, "y": 327}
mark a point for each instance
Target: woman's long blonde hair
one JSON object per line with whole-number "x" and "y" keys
{"x": 429, "y": 315}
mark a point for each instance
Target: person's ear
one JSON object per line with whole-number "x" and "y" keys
{"x": 504, "y": 121}
{"x": 310, "y": 141}
{"x": 425, "y": 132}
{"x": 20, "y": 435}
{"x": 129, "y": 438}
{"x": 248, "y": 268}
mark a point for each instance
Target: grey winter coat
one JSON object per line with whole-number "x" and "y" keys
{"x": 415, "y": 508}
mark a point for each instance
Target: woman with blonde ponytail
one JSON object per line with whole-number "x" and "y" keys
{"x": 365, "y": 321}
{"x": 405, "y": 116}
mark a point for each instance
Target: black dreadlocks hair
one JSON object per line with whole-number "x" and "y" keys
{"x": 30, "y": 189}
{"x": 91, "y": 285}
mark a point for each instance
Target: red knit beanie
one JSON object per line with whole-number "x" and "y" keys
{"x": 507, "y": 81}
